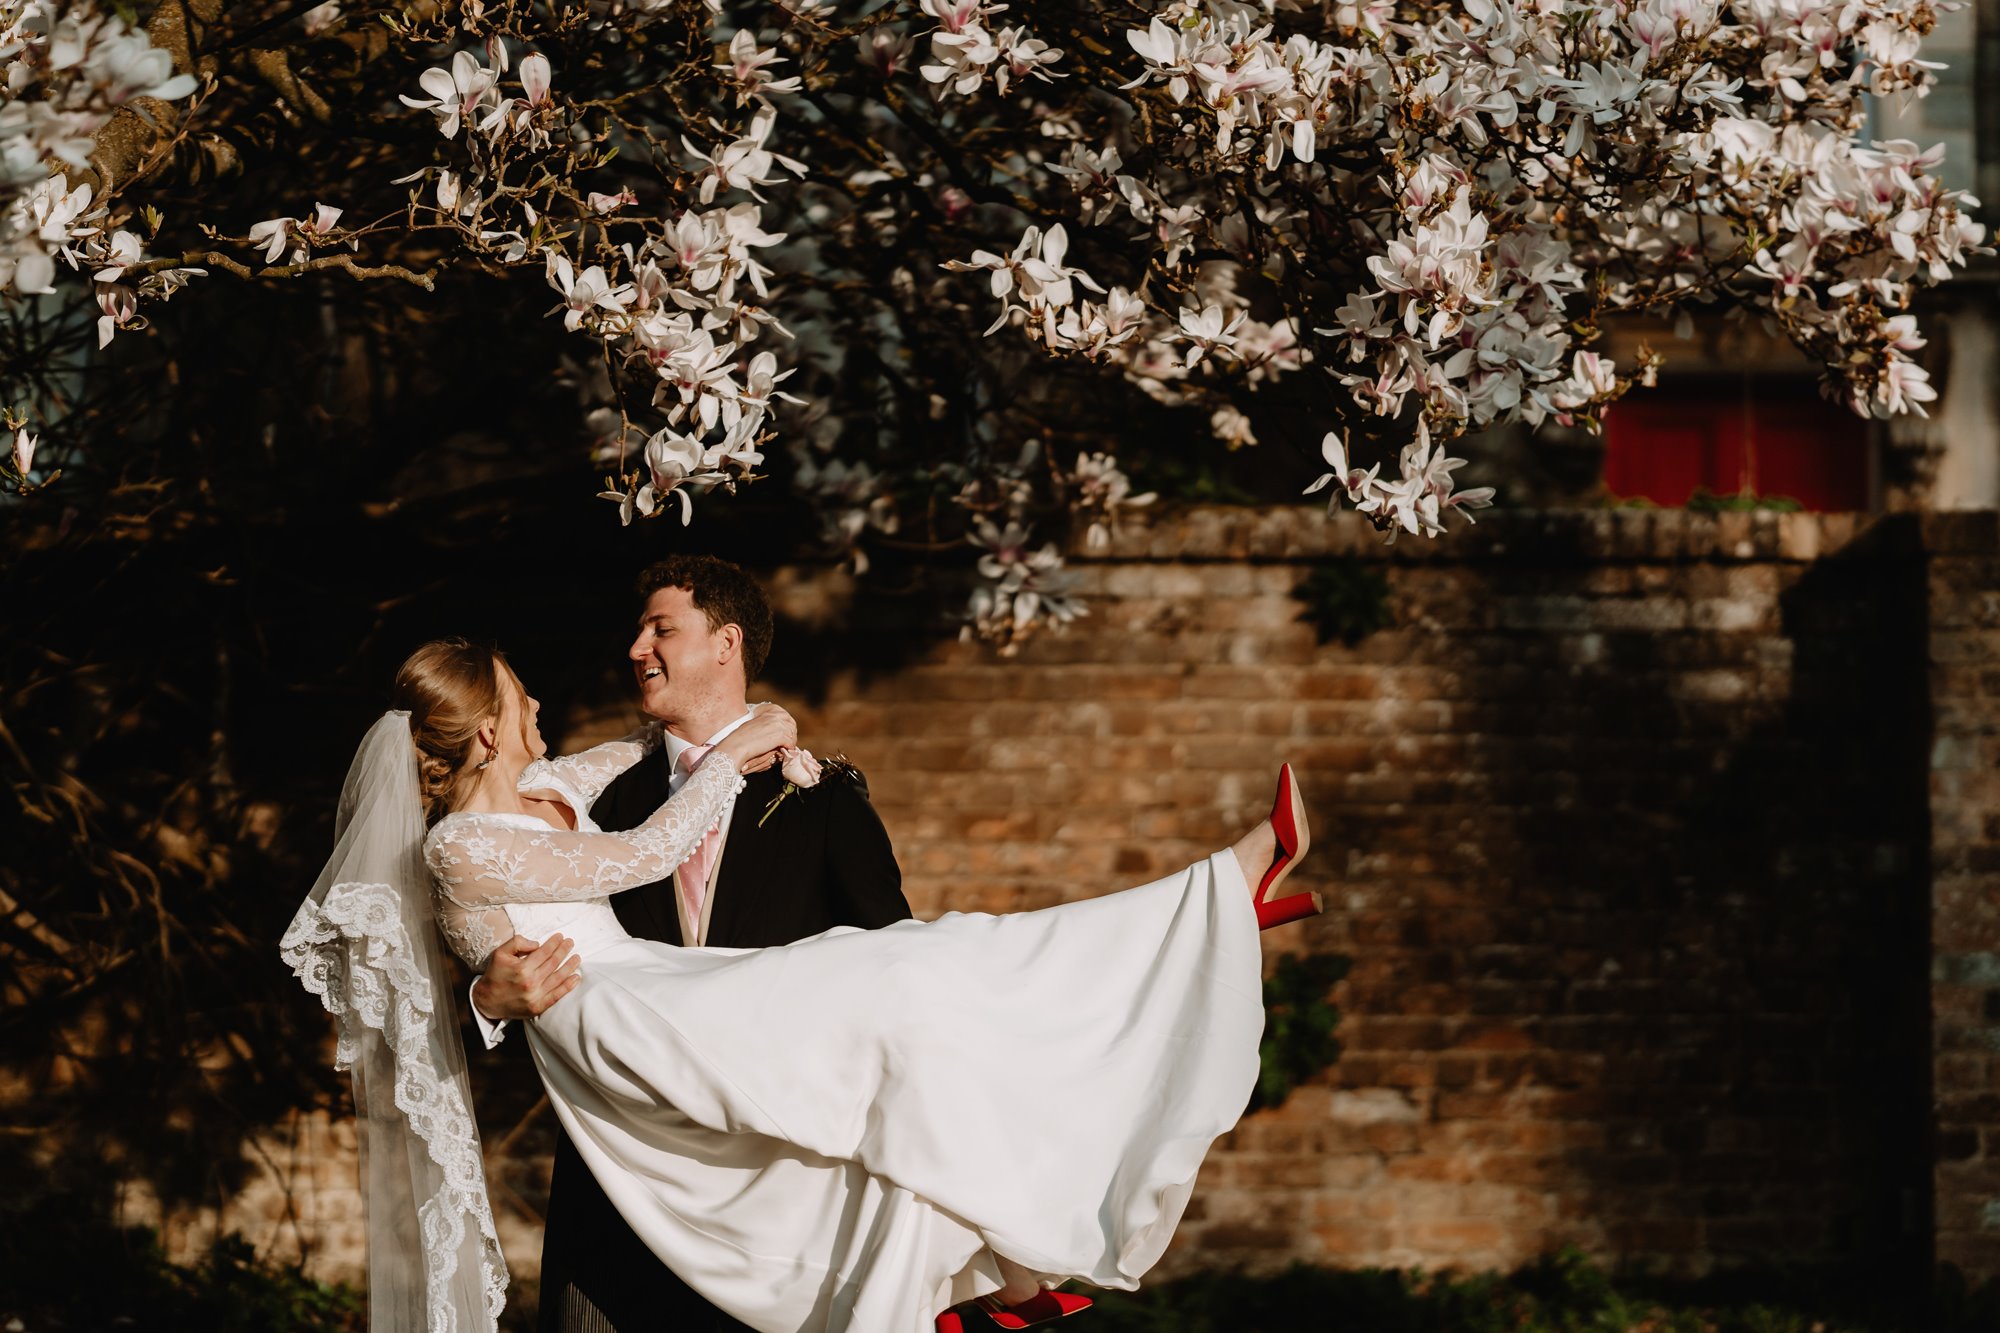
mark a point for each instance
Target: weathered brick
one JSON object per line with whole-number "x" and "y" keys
{"x": 1634, "y": 825}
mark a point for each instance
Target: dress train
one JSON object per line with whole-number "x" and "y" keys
{"x": 841, "y": 1133}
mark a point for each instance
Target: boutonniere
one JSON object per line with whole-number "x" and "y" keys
{"x": 801, "y": 770}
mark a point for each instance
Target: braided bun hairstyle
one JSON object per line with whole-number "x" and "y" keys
{"x": 450, "y": 688}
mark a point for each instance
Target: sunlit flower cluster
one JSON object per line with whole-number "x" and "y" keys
{"x": 862, "y": 251}
{"x": 67, "y": 70}
{"x": 1534, "y": 168}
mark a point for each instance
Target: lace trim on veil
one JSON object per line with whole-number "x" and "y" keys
{"x": 387, "y": 992}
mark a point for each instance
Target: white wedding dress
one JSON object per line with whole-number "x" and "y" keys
{"x": 841, "y": 1133}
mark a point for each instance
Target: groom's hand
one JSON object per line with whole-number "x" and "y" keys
{"x": 524, "y": 978}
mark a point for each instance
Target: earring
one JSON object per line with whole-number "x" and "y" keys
{"x": 481, "y": 765}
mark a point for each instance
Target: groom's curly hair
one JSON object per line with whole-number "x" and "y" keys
{"x": 722, "y": 592}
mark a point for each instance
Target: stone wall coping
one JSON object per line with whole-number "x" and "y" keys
{"x": 1302, "y": 533}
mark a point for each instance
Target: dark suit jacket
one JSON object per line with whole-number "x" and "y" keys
{"x": 822, "y": 860}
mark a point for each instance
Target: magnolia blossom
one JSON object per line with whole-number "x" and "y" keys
{"x": 744, "y": 163}
{"x": 676, "y": 465}
{"x": 1024, "y": 588}
{"x": 116, "y": 306}
{"x": 1433, "y": 211}
{"x": 1359, "y": 488}
{"x": 1098, "y": 490}
{"x": 1232, "y": 427}
{"x": 1538, "y": 169}
{"x": 274, "y": 233}
{"x": 23, "y": 453}
{"x": 850, "y": 497}
{"x": 584, "y": 294}
{"x": 455, "y": 94}
{"x": 749, "y": 68}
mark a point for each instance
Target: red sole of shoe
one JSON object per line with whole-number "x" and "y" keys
{"x": 949, "y": 1322}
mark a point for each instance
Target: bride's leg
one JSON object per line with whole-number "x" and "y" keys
{"x": 1255, "y": 851}
{"x": 1017, "y": 1283}
{"x": 1021, "y": 1303}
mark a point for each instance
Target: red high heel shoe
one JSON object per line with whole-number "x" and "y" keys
{"x": 1288, "y": 821}
{"x": 1037, "y": 1309}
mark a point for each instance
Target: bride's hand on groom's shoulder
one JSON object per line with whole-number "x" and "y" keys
{"x": 754, "y": 746}
{"x": 523, "y": 978}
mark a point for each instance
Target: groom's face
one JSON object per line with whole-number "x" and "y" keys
{"x": 677, "y": 659}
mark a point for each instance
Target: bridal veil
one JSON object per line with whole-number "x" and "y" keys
{"x": 364, "y": 943}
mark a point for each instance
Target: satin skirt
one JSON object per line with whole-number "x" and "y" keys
{"x": 842, "y": 1133}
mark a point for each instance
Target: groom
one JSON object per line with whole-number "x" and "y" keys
{"x": 821, "y": 859}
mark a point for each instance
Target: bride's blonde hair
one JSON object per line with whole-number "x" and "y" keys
{"x": 450, "y": 688}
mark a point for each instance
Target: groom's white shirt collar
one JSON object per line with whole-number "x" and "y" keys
{"x": 676, "y": 747}
{"x": 491, "y": 1030}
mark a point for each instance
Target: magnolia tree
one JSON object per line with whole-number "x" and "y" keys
{"x": 911, "y": 259}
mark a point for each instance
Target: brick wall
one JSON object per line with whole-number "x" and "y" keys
{"x": 1626, "y": 821}
{"x": 1965, "y": 895}
{"x": 1624, "y": 824}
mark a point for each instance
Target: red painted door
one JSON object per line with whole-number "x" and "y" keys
{"x": 1771, "y": 436}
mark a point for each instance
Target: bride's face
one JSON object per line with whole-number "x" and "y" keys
{"x": 519, "y": 731}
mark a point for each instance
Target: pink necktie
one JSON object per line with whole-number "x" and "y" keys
{"x": 694, "y": 870}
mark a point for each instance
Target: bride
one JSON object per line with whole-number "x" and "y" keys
{"x": 856, "y": 1131}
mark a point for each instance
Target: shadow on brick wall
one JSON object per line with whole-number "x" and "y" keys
{"x": 1703, "y": 968}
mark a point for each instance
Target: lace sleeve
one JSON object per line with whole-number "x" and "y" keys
{"x": 589, "y": 772}
{"x": 483, "y": 861}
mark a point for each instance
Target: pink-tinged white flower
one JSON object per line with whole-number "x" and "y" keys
{"x": 1208, "y": 330}
{"x": 695, "y": 371}
{"x": 535, "y": 81}
{"x": 321, "y": 17}
{"x": 1230, "y": 426}
{"x": 455, "y": 94}
{"x": 322, "y": 223}
{"x": 761, "y": 379}
{"x": 959, "y": 60}
{"x": 603, "y": 204}
{"x": 745, "y": 163}
{"x": 120, "y": 252}
{"x": 24, "y": 452}
{"x": 1035, "y": 269}
{"x": 1361, "y": 321}
{"x": 749, "y": 68}
{"x": 887, "y": 52}
{"x": 673, "y": 467}
{"x": 1026, "y": 589}
{"x": 584, "y": 294}
{"x": 1166, "y": 59}
{"x": 1350, "y": 483}
{"x": 272, "y": 234}
{"x": 673, "y": 460}
{"x": 737, "y": 455}
{"x": 1902, "y": 386}
{"x": 1418, "y": 502}
{"x": 1593, "y": 379}
{"x": 695, "y": 244}
{"x": 1098, "y": 492}
{"x": 957, "y": 15}
{"x": 1020, "y": 56}
{"x": 127, "y": 65}
{"x": 41, "y": 226}
{"x": 116, "y": 306}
